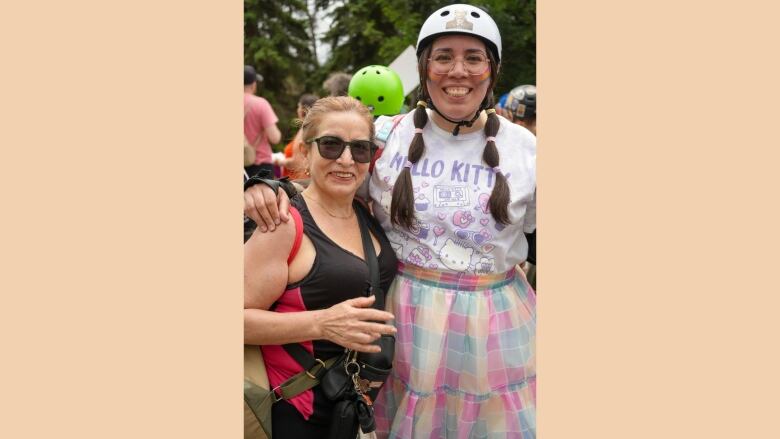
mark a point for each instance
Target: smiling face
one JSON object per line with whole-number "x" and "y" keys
{"x": 458, "y": 93}
{"x": 340, "y": 177}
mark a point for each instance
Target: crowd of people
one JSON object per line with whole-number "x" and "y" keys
{"x": 448, "y": 193}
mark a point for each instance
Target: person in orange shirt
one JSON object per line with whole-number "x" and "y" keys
{"x": 292, "y": 163}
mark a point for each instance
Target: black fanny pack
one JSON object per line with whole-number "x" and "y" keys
{"x": 370, "y": 369}
{"x": 354, "y": 382}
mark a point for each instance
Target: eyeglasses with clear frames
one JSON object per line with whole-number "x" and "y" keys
{"x": 443, "y": 63}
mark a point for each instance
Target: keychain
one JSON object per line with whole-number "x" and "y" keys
{"x": 363, "y": 404}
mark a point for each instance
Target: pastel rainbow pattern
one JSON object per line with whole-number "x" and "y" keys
{"x": 467, "y": 366}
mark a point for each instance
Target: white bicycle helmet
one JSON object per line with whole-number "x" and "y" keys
{"x": 461, "y": 19}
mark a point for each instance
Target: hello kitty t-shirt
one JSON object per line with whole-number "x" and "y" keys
{"x": 454, "y": 230}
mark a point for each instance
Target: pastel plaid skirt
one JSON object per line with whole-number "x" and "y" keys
{"x": 465, "y": 357}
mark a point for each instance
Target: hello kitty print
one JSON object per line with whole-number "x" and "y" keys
{"x": 454, "y": 230}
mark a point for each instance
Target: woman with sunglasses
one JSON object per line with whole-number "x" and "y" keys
{"x": 316, "y": 286}
{"x": 455, "y": 198}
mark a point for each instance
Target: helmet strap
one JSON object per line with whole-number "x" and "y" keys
{"x": 458, "y": 123}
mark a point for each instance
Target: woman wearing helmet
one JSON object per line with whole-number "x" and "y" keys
{"x": 521, "y": 106}
{"x": 455, "y": 197}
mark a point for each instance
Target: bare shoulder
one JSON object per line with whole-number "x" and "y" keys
{"x": 272, "y": 245}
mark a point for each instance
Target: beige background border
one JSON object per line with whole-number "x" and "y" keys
{"x": 121, "y": 284}
{"x": 658, "y": 239}
{"x": 658, "y": 184}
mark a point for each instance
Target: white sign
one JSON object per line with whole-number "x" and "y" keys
{"x": 406, "y": 67}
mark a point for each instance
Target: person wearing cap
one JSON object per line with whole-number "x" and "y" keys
{"x": 454, "y": 190}
{"x": 259, "y": 124}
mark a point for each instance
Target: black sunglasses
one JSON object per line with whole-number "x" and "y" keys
{"x": 331, "y": 148}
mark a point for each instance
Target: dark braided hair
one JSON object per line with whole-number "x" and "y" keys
{"x": 402, "y": 204}
{"x": 499, "y": 197}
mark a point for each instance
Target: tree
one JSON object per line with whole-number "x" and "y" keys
{"x": 517, "y": 23}
{"x": 278, "y": 45}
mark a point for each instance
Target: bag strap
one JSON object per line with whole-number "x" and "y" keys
{"x": 371, "y": 260}
{"x": 291, "y": 388}
{"x": 300, "y": 355}
{"x": 305, "y": 380}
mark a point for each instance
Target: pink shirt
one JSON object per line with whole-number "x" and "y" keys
{"x": 259, "y": 115}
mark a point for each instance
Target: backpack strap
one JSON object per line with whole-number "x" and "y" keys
{"x": 385, "y": 126}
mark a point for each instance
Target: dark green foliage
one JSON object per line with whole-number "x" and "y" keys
{"x": 517, "y": 22}
{"x": 277, "y": 44}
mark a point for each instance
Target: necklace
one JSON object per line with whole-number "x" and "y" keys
{"x": 309, "y": 197}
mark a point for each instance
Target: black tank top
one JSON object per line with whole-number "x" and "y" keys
{"x": 336, "y": 275}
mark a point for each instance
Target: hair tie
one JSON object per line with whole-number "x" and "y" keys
{"x": 422, "y": 104}
{"x": 490, "y": 111}
{"x": 496, "y": 169}
{"x": 418, "y": 130}
{"x": 491, "y": 139}
{"x": 408, "y": 164}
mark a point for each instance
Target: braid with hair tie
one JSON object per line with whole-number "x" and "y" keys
{"x": 499, "y": 197}
{"x": 402, "y": 204}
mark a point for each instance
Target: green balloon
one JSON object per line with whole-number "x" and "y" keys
{"x": 378, "y": 88}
